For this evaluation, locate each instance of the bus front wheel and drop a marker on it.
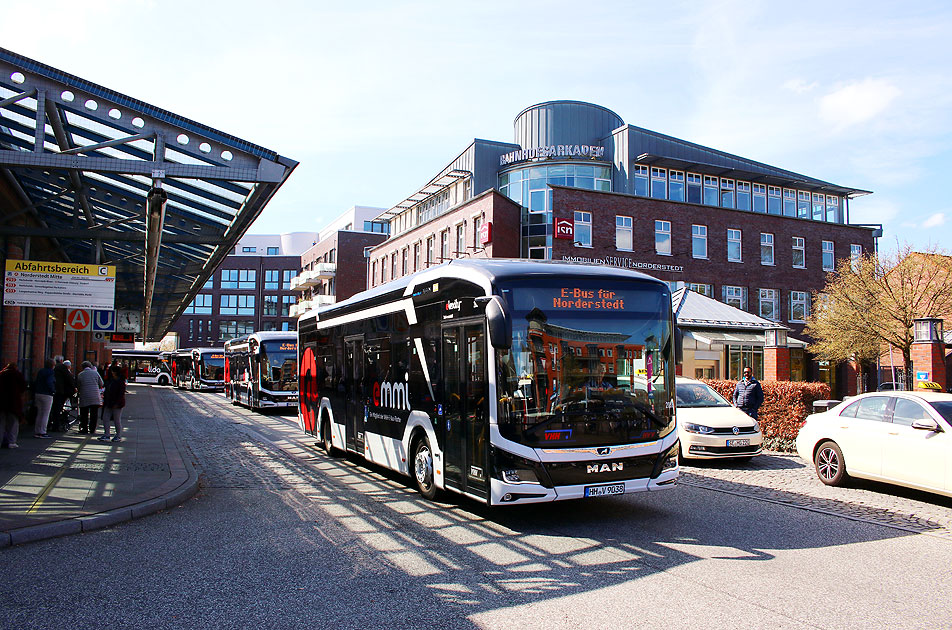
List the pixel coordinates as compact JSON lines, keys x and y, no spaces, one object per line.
{"x":423,"y":469}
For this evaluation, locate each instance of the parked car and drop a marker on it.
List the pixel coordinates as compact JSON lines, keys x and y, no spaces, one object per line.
{"x":890,"y":386}
{"x":710,"y":427}
{"x":897,"y":437}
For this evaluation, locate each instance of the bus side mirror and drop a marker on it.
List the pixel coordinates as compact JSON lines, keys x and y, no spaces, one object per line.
{"x":500,"y":322}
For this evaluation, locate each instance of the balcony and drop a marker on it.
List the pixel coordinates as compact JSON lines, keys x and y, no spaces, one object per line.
{"x":323,"y":300}
{"x":300,"y":308}
{"x":324,"y":271}
{"x":304,"y":280}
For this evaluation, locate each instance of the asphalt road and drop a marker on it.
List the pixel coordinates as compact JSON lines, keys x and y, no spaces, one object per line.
{"x":281,"y":536}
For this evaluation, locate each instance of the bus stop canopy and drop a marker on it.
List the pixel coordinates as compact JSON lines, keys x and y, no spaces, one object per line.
{"x":94,"y":176}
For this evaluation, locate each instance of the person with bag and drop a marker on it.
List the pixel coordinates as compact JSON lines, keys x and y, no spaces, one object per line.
{"x":65,"y":388}
{"x":44,"y":389}
{"x":89,"y":385}
{"x":12,"y":393}
{"x":113,"y":400}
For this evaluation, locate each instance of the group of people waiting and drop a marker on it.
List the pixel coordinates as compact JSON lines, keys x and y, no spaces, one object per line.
{"x":91,"y":389}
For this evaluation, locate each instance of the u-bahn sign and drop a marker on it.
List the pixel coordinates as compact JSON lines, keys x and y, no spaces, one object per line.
{"x":59,"y":285}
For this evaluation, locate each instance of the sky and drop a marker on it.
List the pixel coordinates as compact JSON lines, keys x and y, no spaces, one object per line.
{"x":374,"y":98}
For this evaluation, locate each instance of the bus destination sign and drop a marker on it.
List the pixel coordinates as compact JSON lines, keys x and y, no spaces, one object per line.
{"x":588,"y":300}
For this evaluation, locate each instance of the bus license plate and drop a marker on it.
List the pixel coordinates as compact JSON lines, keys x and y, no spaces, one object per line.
{"x":738,"y":442}
{"x":604,"y":491}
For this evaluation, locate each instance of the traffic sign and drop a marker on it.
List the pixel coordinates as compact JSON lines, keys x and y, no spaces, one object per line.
{"x":78,"y":319}
{"x":104,"y":321}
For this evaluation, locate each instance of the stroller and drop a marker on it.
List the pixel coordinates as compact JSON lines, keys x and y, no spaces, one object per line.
{"x":67,"y":417}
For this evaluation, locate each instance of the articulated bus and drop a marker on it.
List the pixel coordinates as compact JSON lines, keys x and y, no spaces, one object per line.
{"x":508,"y":381}
{"x":207,"y":371}
{"x":262,"y":370}
{"x":181,"y":368}
{"x":145,"y":366}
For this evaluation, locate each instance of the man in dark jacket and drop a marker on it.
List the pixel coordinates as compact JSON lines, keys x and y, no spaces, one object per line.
{"x":748,"y":395}
{"x":12,"y":392}
{"x":65,"y":388}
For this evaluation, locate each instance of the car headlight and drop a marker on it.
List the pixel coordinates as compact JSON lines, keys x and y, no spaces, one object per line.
{"x":696,"y":428}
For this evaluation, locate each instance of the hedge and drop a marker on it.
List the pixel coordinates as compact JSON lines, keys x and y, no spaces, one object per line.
{"x":786,"y":406}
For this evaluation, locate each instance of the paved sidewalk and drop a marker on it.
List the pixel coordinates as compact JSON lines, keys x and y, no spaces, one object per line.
{"x":74,"y":483}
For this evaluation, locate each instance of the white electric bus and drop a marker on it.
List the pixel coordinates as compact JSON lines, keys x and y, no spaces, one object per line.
{"x":145,"y":366}
{"x":208,"y":370}
{"x":509,"y":381}
{"x":262,"y":369}
{"x":181,"y":361}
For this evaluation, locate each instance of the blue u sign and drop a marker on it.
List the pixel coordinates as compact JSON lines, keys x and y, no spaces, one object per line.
{"x":104,"y":321}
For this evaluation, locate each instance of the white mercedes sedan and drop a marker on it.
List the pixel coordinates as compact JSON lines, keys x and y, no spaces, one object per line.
{"x":898,"y":437}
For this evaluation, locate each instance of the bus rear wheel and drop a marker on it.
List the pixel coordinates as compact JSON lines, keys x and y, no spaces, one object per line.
{"x":423,"y":469}
{"x":326,"y":442}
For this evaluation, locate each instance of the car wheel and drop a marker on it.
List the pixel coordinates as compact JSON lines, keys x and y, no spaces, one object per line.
{"x":326,"y":442}
{"x":423,"y":469}
{"x":830,"y":466}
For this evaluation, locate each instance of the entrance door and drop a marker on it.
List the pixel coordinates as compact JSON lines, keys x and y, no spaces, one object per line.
{"x":466,"y":406}
{"x":355,"y":394}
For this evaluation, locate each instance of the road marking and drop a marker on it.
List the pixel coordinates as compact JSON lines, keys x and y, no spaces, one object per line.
{"x":59,"y":473}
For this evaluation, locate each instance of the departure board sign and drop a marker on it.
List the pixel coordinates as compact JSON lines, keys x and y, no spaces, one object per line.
{"x":574,"y":298}
{"x":59,"y":285}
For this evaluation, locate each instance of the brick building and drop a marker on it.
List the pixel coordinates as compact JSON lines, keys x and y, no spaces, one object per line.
{"x":579,"y":184}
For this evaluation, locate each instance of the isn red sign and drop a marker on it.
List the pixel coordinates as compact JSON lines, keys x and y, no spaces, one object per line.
{"x":565,"y":228}
{"x":486,"y":233}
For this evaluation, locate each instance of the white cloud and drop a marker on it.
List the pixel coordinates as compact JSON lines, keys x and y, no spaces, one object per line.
{"x":935,"y":220}
{"x":857,"y":102}
{"x":800,"y":86}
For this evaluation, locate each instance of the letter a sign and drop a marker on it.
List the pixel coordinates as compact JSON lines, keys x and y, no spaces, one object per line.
{"x":78,"y":319}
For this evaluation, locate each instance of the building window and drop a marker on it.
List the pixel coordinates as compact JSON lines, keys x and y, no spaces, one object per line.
{"x":799,"y":306}
{"x":227,"y":329}
{"x":743,"y":195}
{"x":273,"y":251}
{"x":210,"y":283}
{"x":710,"y":191}
{"x":583,"y":229}
{"x":662,"y":237}
{"x":803,"y":204}
{"x":789,"y":202}
{"x":286,"y":276}
{"x":271,"y":279}
{"x":832,"y":206}
{"x":393,"y":265}
{"x":734,"y":245}
{"x":819,"y":206}
{"x":799,"y":252}
{"x":271,"y":305}
{"x":406,"y":260}
{"x":760,"y":198}
{"x":856,"y":254}
{"x":676,"y":185}
{"x":735,"y":296}
{"x":773,"y":200}
{"x":640,"y":175}
{"x":659,"y":183}
{"x":460,"y":240}
{"x":828,"y":260}
{"x":623,"y":233}
{"x":741,"y":356}
{"x":703,"y":289}
{"x":237,"y":305}
{"x":769,"y":307}
{"x":286,"y":302}
{"x":699,"y":241}
{"x":444,"y":245}
{"x":383,"y":269}
{"x":201,"y":305}
{"x":416,"y":257}
{"x":249,"y":250}
{"x":191,"y":329}
{"x":766,"y":249}
{"x":727,"y":193}
{"x":229,"y":279}
{"x":477,"y":226}
{"x":694,"y":188}
{"x":373,"y":272}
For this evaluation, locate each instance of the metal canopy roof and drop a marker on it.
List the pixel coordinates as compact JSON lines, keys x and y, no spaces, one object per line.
{"x":434,"y":186}
{"x":114,"y":180}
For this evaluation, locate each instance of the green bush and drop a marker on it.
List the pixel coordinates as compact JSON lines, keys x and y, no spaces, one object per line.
{"x":786,"y":406}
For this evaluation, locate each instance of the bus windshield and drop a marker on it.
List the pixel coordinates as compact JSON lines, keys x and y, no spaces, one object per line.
{"x":591,"y":363}
{"x":279,"y":366}
{"x":213,"y":366}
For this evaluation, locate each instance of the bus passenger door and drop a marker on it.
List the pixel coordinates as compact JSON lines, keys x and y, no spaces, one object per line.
{"x":355,"y":396}
{"x":464,"y":424}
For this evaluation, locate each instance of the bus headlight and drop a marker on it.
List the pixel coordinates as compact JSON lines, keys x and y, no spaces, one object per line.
{"x":514,"y":469}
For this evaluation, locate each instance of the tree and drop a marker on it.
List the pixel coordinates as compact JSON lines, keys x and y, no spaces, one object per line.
{"x":873,"y":301}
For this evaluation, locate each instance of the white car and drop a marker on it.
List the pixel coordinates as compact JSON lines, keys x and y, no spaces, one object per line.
{"x":897,"y":437}
{"x":709,"y":427}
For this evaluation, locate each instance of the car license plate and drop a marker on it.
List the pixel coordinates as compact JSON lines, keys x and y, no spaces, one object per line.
{"x":604,"y":491}
{"x":738,"y":442}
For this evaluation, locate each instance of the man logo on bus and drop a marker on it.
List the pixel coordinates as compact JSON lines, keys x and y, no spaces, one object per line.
{"x":392,"y":396}
{"x":600,"y":468}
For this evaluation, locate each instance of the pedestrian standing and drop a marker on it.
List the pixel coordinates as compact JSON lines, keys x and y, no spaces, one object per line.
{"x":44,"y":388}
{"x":12,"y":393}
{"x":113,"y":400}
{"x":748,"y":394}
{"x":90,"y":399}
{"x":65,"y":388}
